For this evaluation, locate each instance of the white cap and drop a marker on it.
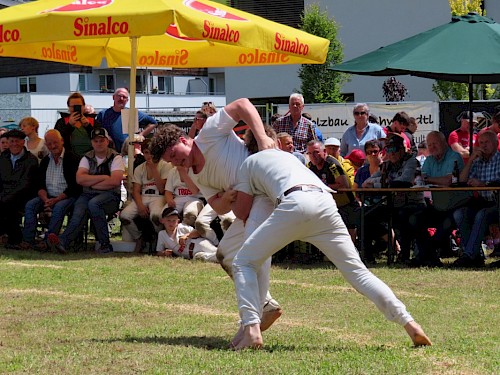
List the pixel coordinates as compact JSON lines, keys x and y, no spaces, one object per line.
{"x":332,"y":142}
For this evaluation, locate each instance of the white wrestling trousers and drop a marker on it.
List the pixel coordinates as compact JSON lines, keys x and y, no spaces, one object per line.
{"x":312,"y":217}
{"x":235,"y":236}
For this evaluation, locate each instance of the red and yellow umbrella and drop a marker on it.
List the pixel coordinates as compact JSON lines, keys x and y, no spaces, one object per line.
{"x":153,"y":33}
{"x":170,"y":33}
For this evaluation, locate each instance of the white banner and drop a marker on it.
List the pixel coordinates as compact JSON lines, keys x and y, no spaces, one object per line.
{"x":334,"y":119}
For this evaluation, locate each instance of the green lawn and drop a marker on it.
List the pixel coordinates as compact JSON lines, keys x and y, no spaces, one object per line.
{"x":125,"y":314}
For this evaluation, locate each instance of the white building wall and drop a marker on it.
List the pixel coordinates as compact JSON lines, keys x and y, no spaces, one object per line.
{"x":45,"y":107}
{"x":364,"y":25}
{"x":9,"y":85}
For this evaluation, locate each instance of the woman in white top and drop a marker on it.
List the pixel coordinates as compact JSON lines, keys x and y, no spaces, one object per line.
{"x":36,"y":145}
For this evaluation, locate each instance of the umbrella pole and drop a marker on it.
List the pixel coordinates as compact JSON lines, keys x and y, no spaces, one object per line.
{"x":132,"y":113}
{"x":471,"y":123}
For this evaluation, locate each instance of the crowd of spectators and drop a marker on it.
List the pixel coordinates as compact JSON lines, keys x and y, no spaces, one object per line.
{"x":77,"y":170}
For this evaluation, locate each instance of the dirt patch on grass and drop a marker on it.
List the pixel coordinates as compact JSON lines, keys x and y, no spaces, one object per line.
{"x":31,"y":265}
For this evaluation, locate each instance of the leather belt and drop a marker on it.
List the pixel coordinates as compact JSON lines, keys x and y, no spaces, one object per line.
{"x":304,"y":188}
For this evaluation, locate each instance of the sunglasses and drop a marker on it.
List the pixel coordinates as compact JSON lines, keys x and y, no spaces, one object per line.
{"x":372,"y":152}
{"x":207,"y":103}
{"x":360,"y":113}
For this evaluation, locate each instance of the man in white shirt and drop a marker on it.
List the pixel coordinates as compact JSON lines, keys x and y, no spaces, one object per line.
{"x":305,"y":210}
{"x":214,"y":157}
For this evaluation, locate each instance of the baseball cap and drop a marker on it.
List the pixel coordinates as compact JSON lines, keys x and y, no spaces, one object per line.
{"x":465,"y":116}
{"x":99,"y":132}
{"x":357,"y":157}
{"x":169,"y":211}
{"x":15,"y":133}
{"x":332,"y":142}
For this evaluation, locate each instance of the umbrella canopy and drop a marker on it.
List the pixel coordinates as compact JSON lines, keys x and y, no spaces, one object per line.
{"x":153,"y":33}
{"x":465,"y":50}
{"x":170,"y":33}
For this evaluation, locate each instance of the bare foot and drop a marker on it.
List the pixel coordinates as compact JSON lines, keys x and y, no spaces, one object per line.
{"x":252,"y":338}
{"x":238,"y":337}
{"x":269,"y":317}
{"x":417,"y":334}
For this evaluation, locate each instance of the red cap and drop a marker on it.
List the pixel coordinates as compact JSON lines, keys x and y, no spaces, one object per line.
{"x":357,"y":157}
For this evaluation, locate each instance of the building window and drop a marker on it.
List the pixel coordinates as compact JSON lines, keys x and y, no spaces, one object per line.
{"x":82,"y":83}
{"x":107,"y":82}
{"x":27,"y":84}
{"x":165,"y":85}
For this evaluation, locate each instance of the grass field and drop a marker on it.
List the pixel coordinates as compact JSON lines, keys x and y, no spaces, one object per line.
{"x":125,"y":314}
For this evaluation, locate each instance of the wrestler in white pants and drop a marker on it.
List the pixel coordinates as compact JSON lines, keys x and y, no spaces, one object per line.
{"x":234,"y":238}
{"x":312,"y":217}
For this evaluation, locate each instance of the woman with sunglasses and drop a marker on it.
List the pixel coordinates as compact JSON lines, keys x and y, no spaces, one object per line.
{"x":362,"y":131}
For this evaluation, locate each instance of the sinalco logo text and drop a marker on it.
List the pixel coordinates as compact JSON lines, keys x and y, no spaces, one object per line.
{"x":7,"y":35}
{"x":259,"y":57}
{"x":291,"y":46}
{"x":158,"y":59}
{"x":225,"y":34}
{"x":67,"y":54}
{"x":83,"y":27}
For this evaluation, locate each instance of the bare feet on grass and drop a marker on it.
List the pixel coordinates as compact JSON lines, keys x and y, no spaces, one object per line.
{"x":417,"y":334}
{"x":269,"y":317}
{"x":252,"y":338}
{"x":238,"y":337}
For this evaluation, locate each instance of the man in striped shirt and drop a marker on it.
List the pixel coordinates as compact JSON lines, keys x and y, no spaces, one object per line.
{"x":482,"y":169}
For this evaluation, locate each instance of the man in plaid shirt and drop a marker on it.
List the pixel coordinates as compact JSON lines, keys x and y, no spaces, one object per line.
{"x":300,"y":128}
{"x":482,"y":169}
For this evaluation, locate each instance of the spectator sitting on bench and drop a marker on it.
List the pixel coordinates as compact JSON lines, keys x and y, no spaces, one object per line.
{"x":147,"y":191}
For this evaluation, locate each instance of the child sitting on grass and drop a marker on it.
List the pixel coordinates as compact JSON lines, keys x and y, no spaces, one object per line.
{"x":182,"y":240}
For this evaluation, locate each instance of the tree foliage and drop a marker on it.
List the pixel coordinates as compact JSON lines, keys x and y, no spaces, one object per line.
{"x":446,"y":90}
{"x":318,"y":83}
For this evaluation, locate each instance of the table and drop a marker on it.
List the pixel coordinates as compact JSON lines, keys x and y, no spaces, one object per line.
{"x":388,"y":192}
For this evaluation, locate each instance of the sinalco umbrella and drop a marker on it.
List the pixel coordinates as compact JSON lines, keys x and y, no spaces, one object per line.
{"x":153,"y":33}
{"x":465,"y":50}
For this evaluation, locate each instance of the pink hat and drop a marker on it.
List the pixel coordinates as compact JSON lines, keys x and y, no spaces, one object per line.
{"x":357,"y":157}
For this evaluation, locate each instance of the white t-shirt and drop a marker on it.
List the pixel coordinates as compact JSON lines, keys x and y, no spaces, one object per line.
{"x":272,"y":172}
{"x":141,"y":176}
{"x":172,"y":243}
{"x":224,"y":152}
{"x":178,"y":187}
{"x":116,"y":165}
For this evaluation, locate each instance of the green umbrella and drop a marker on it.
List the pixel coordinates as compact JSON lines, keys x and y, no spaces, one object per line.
{"x":465,"y":50}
